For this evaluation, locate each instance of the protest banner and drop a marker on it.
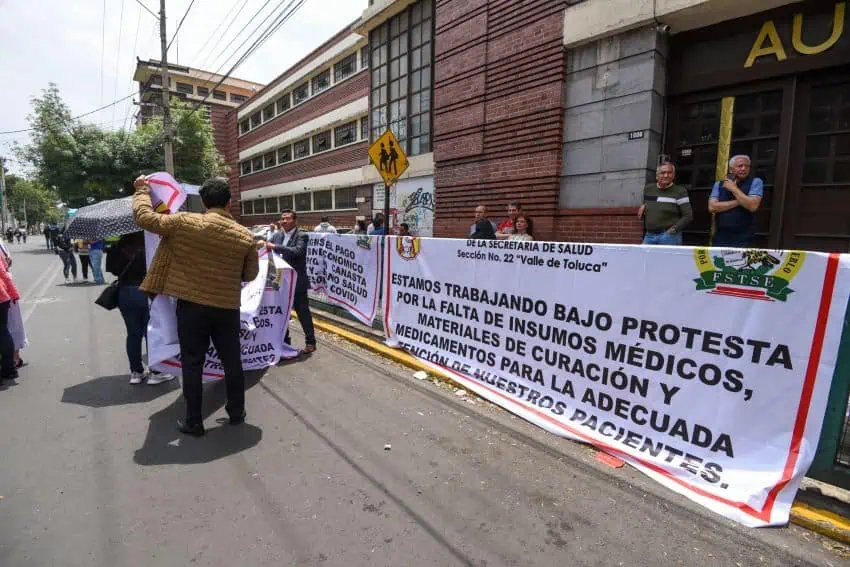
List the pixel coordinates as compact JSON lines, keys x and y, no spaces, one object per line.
{"x":346,"y":268}
{"x":707,"y":369}
{"x":264,"y":310}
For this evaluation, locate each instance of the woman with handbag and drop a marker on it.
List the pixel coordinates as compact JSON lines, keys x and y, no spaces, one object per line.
{"x":127,"y":261}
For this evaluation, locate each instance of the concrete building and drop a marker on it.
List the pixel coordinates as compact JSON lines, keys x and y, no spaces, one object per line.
{"x":191,"y":85}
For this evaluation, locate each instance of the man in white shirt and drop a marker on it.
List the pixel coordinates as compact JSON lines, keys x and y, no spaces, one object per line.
{"x":325,"y":226}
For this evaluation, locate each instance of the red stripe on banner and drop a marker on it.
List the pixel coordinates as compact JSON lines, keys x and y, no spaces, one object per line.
{"x":732,"y":293}
{"x":174,"y":364}
{"x":387,"y":324}
{"x":175,"y":190}
{"x":742,"y":291}
{"x":811,"y":375}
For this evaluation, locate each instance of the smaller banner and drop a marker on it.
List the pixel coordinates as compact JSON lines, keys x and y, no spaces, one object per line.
{"x":264,"y":311}
{"x":346,"y":268}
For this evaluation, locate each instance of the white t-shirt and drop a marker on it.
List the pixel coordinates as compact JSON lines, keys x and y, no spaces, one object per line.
{"x":325,"y":227}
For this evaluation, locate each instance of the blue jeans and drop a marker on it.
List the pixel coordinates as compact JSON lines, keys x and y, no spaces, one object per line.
{"x":69,"y":262}
{"x":135,"y":310}
{"x":664,"y":238}
{"x":96,"y":257}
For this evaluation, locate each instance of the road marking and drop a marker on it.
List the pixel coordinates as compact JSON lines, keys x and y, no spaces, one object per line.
{"x":44,"y":282}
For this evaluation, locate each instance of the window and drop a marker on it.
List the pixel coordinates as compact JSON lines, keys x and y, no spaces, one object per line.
{"x":185,"y":88}
{"x":244,"y":126}
{"x":257,"y":163}
{"x":259,"y":207}
{"x":270,"y":159}
{"x":219,"y":95}
{"x":322,"y":142}
{"x":401,"y":86}
{"x":271,"y":205}
{"x":364,"y":129}
{"x":322,"y":81}
{"x":345,"y":68}
{"x":364,"y":57}
{"x":301,"y":149}
{"x":246,"y":167}
{"x":284,"y":154}
{"x":268,"y":113}
{"x":156,"y":80}
{"x":323,"y":200}
{"x":285,"y":202}
{"x":237,"y":97}
{"x":256,"y":120}
{"x":301,"y":93}
{"x":346,"y":198}
{"x":247,"y":207}
{"x":345,"y":134}
{"x":283,"y":103}
{"x":203,"y":91}
{"x":304,"y":202}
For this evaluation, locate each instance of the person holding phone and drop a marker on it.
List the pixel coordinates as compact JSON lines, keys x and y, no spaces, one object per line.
{"x":734,"y":202}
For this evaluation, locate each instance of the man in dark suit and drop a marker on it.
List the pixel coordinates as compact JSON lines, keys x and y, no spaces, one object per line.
{"x":291,"y":244}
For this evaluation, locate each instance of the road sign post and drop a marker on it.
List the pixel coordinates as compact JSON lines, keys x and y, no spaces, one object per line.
{"x":388,"y":157}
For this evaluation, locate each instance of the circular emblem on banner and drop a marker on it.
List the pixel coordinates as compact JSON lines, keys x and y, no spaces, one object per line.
{"x":408,"y":247}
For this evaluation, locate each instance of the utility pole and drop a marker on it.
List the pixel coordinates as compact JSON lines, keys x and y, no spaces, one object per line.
{"x":3,"y":193}
{"x":166,"y":85}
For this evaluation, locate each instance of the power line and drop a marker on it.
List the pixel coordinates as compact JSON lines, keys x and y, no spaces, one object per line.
{"x":118,"y":55}
{"x":269,"y":31}
{"x":139,"y":2}
{"x":102,"y":50}
{"x":257,"y":13}
{"x":176,"y":31}
{"x":113,"y":103}
{"x":135,"y":43}
{"x":221,"y":23}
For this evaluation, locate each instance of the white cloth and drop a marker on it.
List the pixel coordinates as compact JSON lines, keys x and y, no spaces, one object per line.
{"x":287,"y":236}
{"x":325,"y":228}
{"x":16,"y":326}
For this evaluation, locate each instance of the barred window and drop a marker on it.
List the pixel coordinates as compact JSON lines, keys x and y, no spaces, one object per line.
{"x":270,"y":159}
{"x":244,"y":126}
{"x":346,"y":198}
{"x":364,"y":129}
{"x":301,"y":93}
{"x":284,"y":154}
{"x":364,"y":57}
{"x":285,"y":203}
{"x":257,"y":163}
{"x":301,"y":149}
{"x":271,"y":205}
{"x":268,"y":113}
{"x":219,"y":95}
{"x":304,"y":202}
{"x":237,"y":97}
{"x":346,"y":67}
{"x":259,"y":207}
{"x":322,"y":81}
{"x":323,"y":200}
{"x":283,"y":103}
{"x":246,"y":167}
{"x":186,"y":88}
{"x":247,"y":207}
{"x":256,"y":120}
{"x":203,"y":91}
{"x":322,"y":142}
{"x":345,"y":134}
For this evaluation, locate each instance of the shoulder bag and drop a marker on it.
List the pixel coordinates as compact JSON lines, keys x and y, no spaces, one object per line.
{"x":108,"y":298}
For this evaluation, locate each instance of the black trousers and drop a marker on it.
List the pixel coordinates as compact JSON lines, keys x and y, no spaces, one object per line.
{"x":85,"y":263}
{"x":197,"y":325}
{"x":301,"y":305}
{"x":7,"y":345}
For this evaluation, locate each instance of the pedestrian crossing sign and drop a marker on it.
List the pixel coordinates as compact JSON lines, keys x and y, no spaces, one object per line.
{"x":388,"y":157}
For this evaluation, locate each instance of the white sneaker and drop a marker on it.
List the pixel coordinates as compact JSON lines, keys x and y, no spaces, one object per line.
{"x":136,"y":377}
{"x":154,"y":379}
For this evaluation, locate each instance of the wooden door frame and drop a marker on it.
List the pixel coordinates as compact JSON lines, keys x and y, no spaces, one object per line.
{"x":787,"y":86}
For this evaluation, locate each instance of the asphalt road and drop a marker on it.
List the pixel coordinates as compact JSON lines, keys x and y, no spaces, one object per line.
{"x":93,"y":472}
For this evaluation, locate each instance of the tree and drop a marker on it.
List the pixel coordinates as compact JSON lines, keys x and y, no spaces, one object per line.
{"x":84,"y":162}
{"x":22,"y":193}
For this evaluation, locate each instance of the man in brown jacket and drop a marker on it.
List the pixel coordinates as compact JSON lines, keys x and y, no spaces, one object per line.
{"x":202,"y":261}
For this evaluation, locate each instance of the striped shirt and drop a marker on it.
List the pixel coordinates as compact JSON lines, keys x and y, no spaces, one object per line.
{"x":666,"y":208}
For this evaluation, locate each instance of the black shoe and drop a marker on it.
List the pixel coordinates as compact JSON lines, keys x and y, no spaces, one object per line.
{"x":193,"y":429}
{"x":10,"y":376}
{"x":239,"y":420}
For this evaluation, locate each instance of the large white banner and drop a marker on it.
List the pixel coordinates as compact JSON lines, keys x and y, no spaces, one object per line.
{"x":264,"y":310}
{"x":708,"y":370}
{"x":346,"y":268}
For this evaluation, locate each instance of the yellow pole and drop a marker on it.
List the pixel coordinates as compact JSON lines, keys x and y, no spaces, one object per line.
{"x":724,"y":145}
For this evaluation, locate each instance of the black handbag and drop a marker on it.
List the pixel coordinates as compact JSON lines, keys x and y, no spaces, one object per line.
{"x":108,"y":298}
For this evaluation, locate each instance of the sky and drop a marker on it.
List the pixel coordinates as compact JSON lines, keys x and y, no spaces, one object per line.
{"x":59,"y":41}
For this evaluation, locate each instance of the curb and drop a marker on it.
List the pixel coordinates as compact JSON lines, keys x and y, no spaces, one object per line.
{"x":818,"y":520}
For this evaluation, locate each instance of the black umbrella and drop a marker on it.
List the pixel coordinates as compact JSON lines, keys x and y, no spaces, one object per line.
{"x":107,"y":218}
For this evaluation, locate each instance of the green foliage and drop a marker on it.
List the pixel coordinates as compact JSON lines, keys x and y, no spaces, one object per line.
{"x":85,"y":163}
{"x":38,"y":200}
